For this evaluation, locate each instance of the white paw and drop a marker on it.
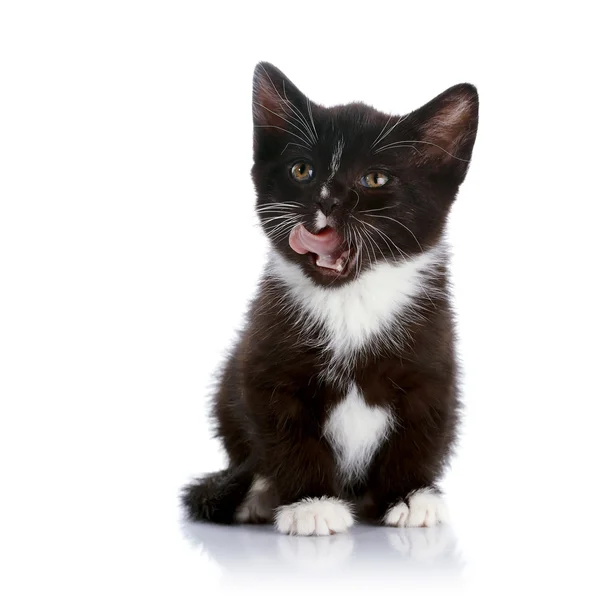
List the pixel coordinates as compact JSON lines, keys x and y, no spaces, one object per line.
{"x":424,"y":509}
{"x":314,"y":516}
{"x":256,"y":507}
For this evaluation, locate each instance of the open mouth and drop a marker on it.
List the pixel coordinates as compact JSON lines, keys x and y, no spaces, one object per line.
{"x":327,"y":250}
{"x":340,"y":268}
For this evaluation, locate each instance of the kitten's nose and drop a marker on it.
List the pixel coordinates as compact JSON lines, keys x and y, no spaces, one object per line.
{"x":326,"y":205}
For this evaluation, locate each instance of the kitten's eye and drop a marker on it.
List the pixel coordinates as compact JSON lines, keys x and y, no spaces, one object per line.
{"x":374,"y":180}
{"x":302,"y":171}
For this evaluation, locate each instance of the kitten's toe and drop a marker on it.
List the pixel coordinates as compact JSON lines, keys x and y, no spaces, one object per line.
{"x":424,"y":509}
{"x":314,"y":516}
{"x":397,"y":515}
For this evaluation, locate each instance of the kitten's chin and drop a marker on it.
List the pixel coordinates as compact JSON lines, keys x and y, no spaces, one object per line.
{"x":342,"y":268}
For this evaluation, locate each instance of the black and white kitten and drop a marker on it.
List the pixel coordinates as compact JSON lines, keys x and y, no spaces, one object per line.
{"x":340,"y":397}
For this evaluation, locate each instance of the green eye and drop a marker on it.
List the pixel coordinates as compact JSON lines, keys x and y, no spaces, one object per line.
{"x":302,"y":171}
{"x":374,"y":180}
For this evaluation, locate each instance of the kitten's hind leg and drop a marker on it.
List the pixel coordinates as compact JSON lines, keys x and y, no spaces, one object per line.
{"x":259,"y":504}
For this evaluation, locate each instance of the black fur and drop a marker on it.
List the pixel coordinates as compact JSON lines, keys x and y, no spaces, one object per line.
{"x":216,"y":497}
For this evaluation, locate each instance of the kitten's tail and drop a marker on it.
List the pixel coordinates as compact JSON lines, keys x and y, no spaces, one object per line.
{"x":216,"y":496}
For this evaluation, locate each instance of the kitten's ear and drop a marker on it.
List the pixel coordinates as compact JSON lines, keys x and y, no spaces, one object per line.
{"x":274,"y":98}
{"x":447,"y":127}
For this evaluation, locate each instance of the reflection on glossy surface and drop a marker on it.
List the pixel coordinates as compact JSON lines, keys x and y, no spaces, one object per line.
{"x":253,"y":550}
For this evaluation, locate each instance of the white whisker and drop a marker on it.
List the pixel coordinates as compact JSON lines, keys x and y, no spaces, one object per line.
{"x":282,"y":129}
{"x":298,"y":112}
{"x":401,"y":225}
{"x":378,"y":209}
{"x":310,"y":114}
{"x":397,"y":144}
{"x":282,"y":99}
{"x":382,"y":130}
{"x":391,"y":129}
{"x":293,"y":144}
{"x":306,"y":139}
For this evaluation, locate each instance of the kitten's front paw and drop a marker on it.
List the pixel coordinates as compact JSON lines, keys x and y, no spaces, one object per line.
{"x":314,"y":516}
{"x":424,"y":509}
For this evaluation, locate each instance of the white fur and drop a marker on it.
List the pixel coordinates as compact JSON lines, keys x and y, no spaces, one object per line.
{"x":349,"y":318}
{"x":324,"y":192}
{"x":255,"y":508}
{"x":314,"y":516}
{"x":320,"y":220}
{"x":355,"y":431}
{"x":336,"y":158}
{"x":425,"y":509}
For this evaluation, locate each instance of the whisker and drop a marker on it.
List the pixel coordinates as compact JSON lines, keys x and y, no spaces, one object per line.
{"x":282,"y":129}
{"x":359,"y":258}
{"x":377,"y":209}
{"x":385,"y":237}
{"x":397,"y":145}
{"x":386,"y":243}
{"x":355,"y":238}
{"x":378,"y":248}
{"x":275,"y":228}
{"x":401,"y":225}
{"x":278,"y":206}
{"x":282,"y":232}
{"x":270,"y":219}
{"x":371,"y":241}
{"x":310,"y":114}
{"x":296,"y":110}
{"x":422,"y":142}
{"x":392,"y":128}
{"x":293,"y":144}
{"x":307,"y":139}
{"x":286,"y":210}
{"x":286,"y":98}
{"x":382,"y":130}
{"x":357,"y":198}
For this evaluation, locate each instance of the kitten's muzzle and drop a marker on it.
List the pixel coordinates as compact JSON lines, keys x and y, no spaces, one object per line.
{"x":327,"y":248}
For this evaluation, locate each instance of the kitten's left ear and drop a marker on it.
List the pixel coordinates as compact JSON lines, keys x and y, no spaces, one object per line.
{"x":447,"y":127}
{"x":275,"y":99}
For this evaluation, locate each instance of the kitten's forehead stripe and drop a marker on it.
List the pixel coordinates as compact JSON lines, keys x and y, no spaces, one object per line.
{"x":336,"y":158}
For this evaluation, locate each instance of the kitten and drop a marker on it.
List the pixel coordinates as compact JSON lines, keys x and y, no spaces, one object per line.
{"x":340,"y":398}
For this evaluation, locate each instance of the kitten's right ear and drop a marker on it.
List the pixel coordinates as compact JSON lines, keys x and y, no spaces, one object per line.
{"x":447,"y":127}
{"x":274,"y":98}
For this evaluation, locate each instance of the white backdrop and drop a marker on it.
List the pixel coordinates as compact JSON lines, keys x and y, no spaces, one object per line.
{"x":129,"y":249}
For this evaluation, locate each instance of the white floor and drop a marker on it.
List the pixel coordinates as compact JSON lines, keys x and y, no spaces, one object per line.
{"x":128,"y":540}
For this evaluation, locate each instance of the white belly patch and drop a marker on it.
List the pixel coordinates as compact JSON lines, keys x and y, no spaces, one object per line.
{"x":356,"y":431}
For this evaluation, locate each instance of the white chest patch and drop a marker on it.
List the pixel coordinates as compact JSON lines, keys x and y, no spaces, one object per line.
{"x":355,"y":431}
{"x":352,"y":317}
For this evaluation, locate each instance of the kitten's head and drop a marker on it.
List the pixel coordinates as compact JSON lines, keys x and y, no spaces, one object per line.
{"x":342,"y":189}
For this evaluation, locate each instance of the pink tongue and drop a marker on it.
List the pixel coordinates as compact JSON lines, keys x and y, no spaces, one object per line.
{"x":327,"y":245}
